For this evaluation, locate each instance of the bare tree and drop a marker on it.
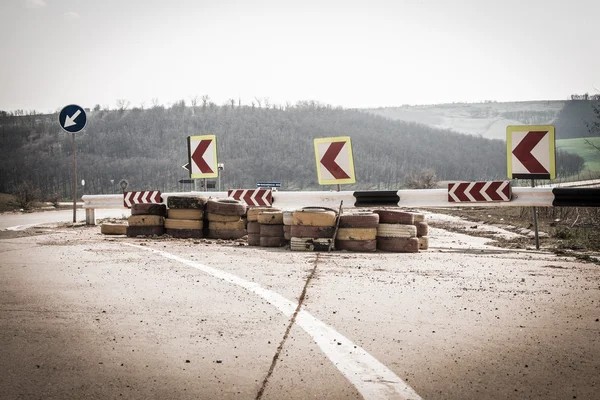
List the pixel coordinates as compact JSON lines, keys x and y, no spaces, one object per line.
{"x":205,"y":99}
{"x":25,"y":194}
{"x":232,"y":101}
{"x":123,"y":104}
{"x":258,"y":101}
{"x":424,"y":179}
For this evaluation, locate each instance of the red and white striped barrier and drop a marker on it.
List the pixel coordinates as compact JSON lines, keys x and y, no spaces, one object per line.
{"x":252,"y":197}
{"x":147,"y":196}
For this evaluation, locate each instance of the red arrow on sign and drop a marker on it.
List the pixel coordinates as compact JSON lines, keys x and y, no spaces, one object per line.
{"x":479,"y":191}
{"x":523,"y":152}
{"x":328,"y":160}
{"x":198,"y":157}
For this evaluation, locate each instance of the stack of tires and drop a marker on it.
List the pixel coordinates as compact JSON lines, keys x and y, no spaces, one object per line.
{"x":147,"y":219}
{"x":185,"y":217}
{"x":271,"y":229}
{"x":288,"y":221}
{"x":396,"y":232}
{"x":422,"y":231}
{"x":357,"y":232}
{"x":312,"y":229}
{"x":253,"y":226}
{"x":226,"y":219}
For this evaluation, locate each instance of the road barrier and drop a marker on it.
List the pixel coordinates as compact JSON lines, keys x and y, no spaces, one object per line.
{"x":419,"y":198}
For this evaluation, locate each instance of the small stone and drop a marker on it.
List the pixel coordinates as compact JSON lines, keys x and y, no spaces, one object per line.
{"x":219,"y":361}
{"x":187,"y":361}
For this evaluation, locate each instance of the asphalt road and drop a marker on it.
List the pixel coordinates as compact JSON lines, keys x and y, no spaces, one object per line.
{"x":84,"y":315}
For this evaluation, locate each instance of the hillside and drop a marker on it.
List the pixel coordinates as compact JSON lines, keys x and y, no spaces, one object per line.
{"x":148,"y":147}
{"x":590,"y":156}
{"x":490,"y":119}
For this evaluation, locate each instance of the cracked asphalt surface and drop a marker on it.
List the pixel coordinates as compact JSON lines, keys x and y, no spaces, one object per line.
{"x":84,"y":316}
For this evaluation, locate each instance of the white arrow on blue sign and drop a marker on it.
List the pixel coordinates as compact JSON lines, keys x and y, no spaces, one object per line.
{"x":72,"y":118}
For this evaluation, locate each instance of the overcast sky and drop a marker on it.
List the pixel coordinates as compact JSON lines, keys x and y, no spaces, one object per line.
{"x":367,"y":53}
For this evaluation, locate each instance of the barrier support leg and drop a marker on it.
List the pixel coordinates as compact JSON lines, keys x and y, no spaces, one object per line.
{"x":90,"y":216}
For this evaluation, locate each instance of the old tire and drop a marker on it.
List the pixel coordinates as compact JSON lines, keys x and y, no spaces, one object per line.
{"x":113,"y":229}
{"x":288,"y":218}
{"x":267,"y":230}
{"x":146,"y":220}
{"x":185,"y":213}
{"x":422,"y":228}
{"x":228,"y":234}
{"x":359,"y":220}
{"x":308,"y":244}
{"x":253,"y":239}
{"x":356,"y":234}
{"x":222,"y":218}
{"x":314,"y":217}
{"x":195,"y":202}
{"x":270,"y":217}
{"x":395,"y":217}
{"x":254,"y":211}
{"x":185,"y":233}
{"x":396,"y":230}
{"x":398,"y":244}
{"x":149,"y":209}
{"x":356,"y":245}
{"x":172,"y":223}
{"x":253,"y":227}
{"x":301,"y":231}
{"x":424,"y":243}
{"x":226,"y":207}
{"x":418,"y":217}
{"x":135,"y":231}
{"x":241,"y":225}
{"x":268,"y":241}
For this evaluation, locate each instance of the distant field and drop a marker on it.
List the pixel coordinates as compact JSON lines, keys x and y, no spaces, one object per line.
{"x":578,"y":146}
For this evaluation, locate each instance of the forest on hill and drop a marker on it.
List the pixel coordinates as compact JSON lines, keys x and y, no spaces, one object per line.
{"x":148,"y":148}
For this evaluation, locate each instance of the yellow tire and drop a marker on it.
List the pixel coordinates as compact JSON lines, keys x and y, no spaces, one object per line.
{"x":146,"y":220}
{"x":174,"y":223}
{"x":222,"y":218}
{"x":270,"y":218}
{"x":356,"y":234}
{"x":241,"y":224}
{"x":396,"y":230}
{"x":184,"y":213}
{"x":113,"y":229}
{"x":313,"y":217}
{"x":253,"y":212}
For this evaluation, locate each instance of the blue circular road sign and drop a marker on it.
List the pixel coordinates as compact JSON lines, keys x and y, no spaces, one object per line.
{"x":72,"y":118}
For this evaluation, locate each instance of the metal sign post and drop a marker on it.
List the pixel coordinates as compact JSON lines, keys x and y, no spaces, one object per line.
{"x":74,"y":180}
{"x":535,"y":222}
{"x":72,"y":119}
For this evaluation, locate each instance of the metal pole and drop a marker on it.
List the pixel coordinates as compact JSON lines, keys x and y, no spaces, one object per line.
{"x":74,"y":181}
{"x":205,"y":188}
{"x":339,"y":187}
{"x":219,"y":182}
{"x":535,"y":222}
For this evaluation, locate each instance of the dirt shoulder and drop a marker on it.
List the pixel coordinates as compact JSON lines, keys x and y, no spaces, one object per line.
{"x":563,"y":231}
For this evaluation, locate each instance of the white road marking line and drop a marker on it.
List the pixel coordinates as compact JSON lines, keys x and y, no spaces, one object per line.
{"x":371,"y":378}
{"x":19,"y":227}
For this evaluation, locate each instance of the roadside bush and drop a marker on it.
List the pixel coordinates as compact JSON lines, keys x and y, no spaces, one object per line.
{"x":424,"y":179}
{"x":25,"y":195}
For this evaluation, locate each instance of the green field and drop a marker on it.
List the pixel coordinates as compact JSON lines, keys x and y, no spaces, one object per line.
{"x":578,"y":146}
